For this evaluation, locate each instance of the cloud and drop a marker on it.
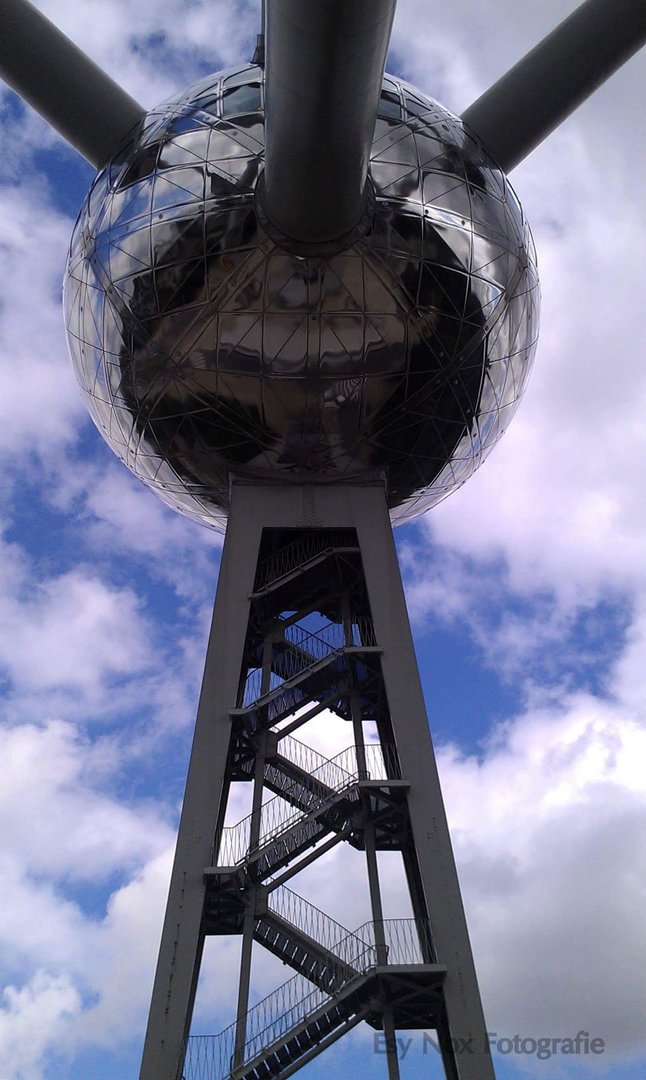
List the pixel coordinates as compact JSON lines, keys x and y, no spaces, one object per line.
{"x":70,"y":632}
{"x":62,"y":825}
{"x":117,"y":513}
{"x":193,"y":37}
{"x":557,"y":510}
{"x":40,"y":408}
{"x":78,"y":633}
{"x":70,"y":1003}
{"x":547,"y":829}
{"x":57,"y":820}
{"x":30,"y":1020}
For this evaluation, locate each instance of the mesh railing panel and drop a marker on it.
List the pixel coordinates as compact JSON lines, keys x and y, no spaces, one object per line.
{"x":301,"y":649}
{"x":313,"y":922}
{"x":408,"y":941}
{"x":210,"y":1057}
{"x":277,"y":815}
{"x":299,"y":552}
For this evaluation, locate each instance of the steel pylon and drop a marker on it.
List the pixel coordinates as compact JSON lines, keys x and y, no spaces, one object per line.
{"x":310,"y":616}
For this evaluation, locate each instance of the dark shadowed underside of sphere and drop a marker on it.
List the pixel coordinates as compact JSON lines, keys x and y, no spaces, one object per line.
{"x":203,"y":349}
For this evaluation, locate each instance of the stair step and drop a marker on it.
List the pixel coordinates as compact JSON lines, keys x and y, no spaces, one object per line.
{"x":325,"y":968}
{"x":291,"y":1047}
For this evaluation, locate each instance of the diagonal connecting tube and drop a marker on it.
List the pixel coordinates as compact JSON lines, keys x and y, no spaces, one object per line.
{"x":324,"y":63}
{"x":58,"y":80}
{"x":551,"y":81}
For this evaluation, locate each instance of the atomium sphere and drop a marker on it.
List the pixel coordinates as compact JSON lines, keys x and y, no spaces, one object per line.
{"x":205,"y":350}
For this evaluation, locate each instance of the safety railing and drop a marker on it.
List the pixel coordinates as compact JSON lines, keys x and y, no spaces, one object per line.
{"x":305,"y":917}
{"x":301,"y":648}
{"x":408,"y":941}
{"x":301,"y":775}
{"x":299,"y":553}
{"x":278,"y":816}
{"x":329,"y":771}
{"x":284,"y":701}
{"x":289,"y":660}
{"x":299,"y":754}
{"x":211,"y":1057}
{"x":382,"y":762}
{"x":359,"y":632}
{"x":300,"y":791}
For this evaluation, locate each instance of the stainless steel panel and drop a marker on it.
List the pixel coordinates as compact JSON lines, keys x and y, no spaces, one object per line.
{"x":204,"y":349}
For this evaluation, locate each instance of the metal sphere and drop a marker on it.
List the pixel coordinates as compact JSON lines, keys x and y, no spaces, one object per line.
{"x":204,"y":348}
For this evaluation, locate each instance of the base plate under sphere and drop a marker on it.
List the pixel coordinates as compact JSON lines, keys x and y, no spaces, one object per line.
{"x":205,"y":349}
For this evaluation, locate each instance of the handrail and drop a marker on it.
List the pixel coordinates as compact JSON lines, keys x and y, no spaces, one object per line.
{"x":301,"y":648}
{"x":210,"y":1057}
{"x":306,"y":918}
{"x":272,"y":1018}
{"x":297,"y":553}
{"x":278,"y":815}
{"x":324,"y":771}
{"x":408,"y":941}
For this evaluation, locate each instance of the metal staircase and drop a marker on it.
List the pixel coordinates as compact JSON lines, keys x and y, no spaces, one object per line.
{"x":307,"y":939}
{"x":282,"y":1029}
{"x":315,"y":666}
{"x":311,"y":646}
{"x":307,"y":807}
{"x":300,"y":774}
{"x":293,"y":1023}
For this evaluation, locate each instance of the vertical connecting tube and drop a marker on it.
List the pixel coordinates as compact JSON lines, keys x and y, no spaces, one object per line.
{"x":324,"y":63}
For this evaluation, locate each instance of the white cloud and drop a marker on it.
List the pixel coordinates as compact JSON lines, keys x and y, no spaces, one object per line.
{"x":56,"y":819}
{"x":40,"y":408}
{"x":126,"y":41}
{"x":60,"y":823}
{"x":30,"y":1020}
{"x":70,"y":631}
{"x":119,"y":513}
{"x":547,"y":831}
{"x":559,"y":498}
{"x":71,"y":1002}
{"x":78,"y":633}
{"x":126,"y":946}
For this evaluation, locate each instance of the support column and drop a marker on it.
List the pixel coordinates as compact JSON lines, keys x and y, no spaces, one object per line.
{"x":254,"y":837}
{"x":206,"y":789}
{"x":430,"y":838}
{"x":373,"y":875}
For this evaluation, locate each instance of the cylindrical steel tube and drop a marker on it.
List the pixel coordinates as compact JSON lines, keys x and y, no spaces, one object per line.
{"x":324,"y":62}
{"x":55,"y":77}
{"x":548,"y":84}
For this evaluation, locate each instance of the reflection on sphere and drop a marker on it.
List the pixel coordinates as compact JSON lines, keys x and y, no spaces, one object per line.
{"x":204,"y":349}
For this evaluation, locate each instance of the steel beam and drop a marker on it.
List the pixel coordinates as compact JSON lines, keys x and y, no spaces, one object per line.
{"x":60,"y":82}
{"x":324,"y":62}
{"x":551,"y":81}
{"x":206,"y":788}
{"x":429,"y":830}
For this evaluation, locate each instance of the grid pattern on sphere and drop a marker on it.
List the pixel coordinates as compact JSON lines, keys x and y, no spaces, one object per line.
{"x":203,"y":348}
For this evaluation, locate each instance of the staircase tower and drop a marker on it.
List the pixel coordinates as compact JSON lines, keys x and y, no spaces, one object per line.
{"x":309,"y":621}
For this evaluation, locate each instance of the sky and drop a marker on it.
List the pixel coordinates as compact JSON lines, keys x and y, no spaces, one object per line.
{"x":526,"y":590}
